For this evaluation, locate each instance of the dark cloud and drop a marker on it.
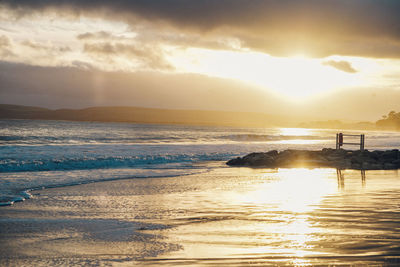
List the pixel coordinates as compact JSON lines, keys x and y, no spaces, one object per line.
{"x":340,"y":65}
{"x":316,"y":27}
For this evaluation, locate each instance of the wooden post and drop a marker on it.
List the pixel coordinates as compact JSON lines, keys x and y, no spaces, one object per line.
{"x":362,"y":139}
{"x":337,"y":141}
{"x":341,"y":140}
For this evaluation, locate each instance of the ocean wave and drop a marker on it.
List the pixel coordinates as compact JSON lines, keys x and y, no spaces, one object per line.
{"x":87,"y":163}
{"x":268,"y":137}
{"x":69,"y":139}
{"x":37,"y":140}
{"x":27,"y":139}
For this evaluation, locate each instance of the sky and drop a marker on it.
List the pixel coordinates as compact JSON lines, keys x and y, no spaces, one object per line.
{"x":318,"y":59}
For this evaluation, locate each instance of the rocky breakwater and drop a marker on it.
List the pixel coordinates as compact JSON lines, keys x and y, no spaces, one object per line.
{"x":327,"y":157}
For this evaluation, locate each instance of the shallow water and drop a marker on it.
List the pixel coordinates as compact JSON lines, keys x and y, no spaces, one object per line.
{"x":232,"y":216}
{"x":295,"y":216}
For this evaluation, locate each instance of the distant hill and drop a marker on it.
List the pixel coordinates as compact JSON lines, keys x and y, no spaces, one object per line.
{"x":391,"y":121}
{"x":188,"y":117}
{"x":336,"y":124}
{"x":145,"y":115}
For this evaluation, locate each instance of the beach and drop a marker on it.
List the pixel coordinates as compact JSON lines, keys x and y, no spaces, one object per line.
{"x":200,"y":133}
{"x":124,"y":194}
{"x":225,"y":216}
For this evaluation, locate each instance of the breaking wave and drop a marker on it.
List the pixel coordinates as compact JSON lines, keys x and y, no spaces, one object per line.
{"x":88,"y":163}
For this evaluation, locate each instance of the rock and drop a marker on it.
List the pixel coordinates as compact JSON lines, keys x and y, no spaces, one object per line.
{"x":390,"y":154}
{"x":397,"y":163}
{"x":366,"y":166}
{"x":389,"y":166}
{"x":236,"y":161}
{"x":254,"y":159}
{"x":374,"y":155}
{"x":355,"y":166}
{"x":327,"y":157}
{"x":272,"y":153}
{"x":377,"y":166}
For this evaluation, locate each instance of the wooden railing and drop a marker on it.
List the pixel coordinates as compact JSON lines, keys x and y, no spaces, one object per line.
{"x":340,"y":140}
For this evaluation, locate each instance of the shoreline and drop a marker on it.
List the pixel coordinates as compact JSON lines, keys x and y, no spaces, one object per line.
{"x":325,"y":158}
{"x":28,"y":193}
{"x":164,"y":221}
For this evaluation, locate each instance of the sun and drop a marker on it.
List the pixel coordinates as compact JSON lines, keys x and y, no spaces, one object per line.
{"x":295,"y":78}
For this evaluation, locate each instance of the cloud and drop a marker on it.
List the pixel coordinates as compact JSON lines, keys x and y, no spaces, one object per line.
{"x":95,"y":35}
{"x":4,"y":41}
{"x":82,"y":65}
{"x":318,"y":28}
{"x":148,"y":35}
{"x":48,"y":48}
{"x":62,"y":87}
{"x":5,"y":47}
{"x":340,"y":65}
{"x":69,"y":87}
{"x":147,"y":56}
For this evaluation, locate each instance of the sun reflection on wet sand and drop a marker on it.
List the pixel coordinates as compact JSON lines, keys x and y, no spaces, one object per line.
{"x":296,"y":190}
{"x":228,"y":216}
{"x":271,"y":215}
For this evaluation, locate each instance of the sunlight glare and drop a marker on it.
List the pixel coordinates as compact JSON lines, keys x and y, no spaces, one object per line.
{"x":296,"y":189}
{"x":294,"y":193}
{"x":297,"y":77}
{"x":295,"y":131}
{"x":298,"y":142}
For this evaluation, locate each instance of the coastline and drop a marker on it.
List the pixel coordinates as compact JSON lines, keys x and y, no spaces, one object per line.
{"x":204,"y":213}
{"x":225,"y":216}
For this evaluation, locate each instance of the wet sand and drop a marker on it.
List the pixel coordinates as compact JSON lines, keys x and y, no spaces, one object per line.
{"x":234,"y":216}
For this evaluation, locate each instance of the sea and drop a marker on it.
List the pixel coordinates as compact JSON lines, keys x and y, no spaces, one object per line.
{"x":116,"y":193}
{"x":37,"y":154}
